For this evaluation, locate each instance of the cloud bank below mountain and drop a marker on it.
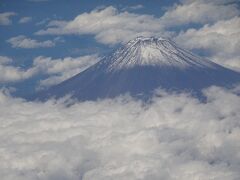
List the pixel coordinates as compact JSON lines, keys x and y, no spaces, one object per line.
{"x":174,"y":137}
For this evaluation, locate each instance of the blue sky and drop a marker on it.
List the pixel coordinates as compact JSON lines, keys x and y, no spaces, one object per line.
{"x":44,"y":42}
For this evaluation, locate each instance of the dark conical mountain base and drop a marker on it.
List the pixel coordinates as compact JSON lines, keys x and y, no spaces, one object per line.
{"x":140,"y":82}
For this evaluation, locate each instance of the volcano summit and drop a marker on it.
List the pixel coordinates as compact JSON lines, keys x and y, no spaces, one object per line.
{"x":139,"y":68}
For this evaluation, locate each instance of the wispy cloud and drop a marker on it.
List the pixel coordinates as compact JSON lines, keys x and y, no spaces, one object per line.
{"x":24,"y":20}
{"x":5,"y":18}
{"x":135,"y":7}
{"x":27,"y":43}
{"x":42,"y":22}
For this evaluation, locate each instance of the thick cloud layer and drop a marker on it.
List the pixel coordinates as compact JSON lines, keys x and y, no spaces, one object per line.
{"x":175,"y":137}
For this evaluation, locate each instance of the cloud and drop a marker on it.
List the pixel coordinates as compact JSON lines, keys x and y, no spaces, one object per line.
{"x":42,"y":22}
{"x":62,"y":69}
{"x":25,"y":20}
{"x":56,"y":70}
{"x":27,"y":43}
{"x":111,"y":26}
{"x":5,"y":60}
{"x":217,"y":34}
{"x":174,"y":137}
{"x":220,"y":40}
{"x":135,"y":7}
{"x":108,"y":25}
{"x":199,"y":12}
{"x":217,"y":2}
{"x":5,"y":18}
{"x":13,"y":74}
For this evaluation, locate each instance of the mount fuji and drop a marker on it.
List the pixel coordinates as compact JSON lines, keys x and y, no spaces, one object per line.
{"x":139,"y":68}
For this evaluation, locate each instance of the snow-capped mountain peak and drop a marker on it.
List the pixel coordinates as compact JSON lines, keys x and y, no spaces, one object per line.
{"x":152,"y":51}
{"x":139,"y":68}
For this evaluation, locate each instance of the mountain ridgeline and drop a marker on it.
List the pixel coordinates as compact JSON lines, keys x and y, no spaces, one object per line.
{"x":140,"y":67}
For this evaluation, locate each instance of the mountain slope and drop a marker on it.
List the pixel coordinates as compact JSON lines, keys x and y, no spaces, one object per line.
{"x":139,"y":68}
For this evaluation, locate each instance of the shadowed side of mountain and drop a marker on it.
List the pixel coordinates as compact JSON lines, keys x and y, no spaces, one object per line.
{"x":140,"y":82}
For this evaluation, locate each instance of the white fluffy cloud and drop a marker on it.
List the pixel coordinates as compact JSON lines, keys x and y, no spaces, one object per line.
{"x":199,"y":12}
{"x":221,"y":40}
{"x":175,"y":137}
{"x":27,"y":43}
{"x":25,"y":20}
{"x":10,"y":73}
{"x":57,"y":70}
{"x":218,"y":36}
{"x":5,"y":18}
{"x":62,"y":69}
{"x":109,"y":26}
{"x":5,"y":60}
